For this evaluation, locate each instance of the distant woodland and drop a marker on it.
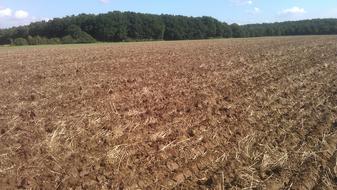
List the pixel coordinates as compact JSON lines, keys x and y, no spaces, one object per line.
{"x":128,"y":26}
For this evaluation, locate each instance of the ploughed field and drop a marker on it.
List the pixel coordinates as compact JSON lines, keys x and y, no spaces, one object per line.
{"x":211,"y":114}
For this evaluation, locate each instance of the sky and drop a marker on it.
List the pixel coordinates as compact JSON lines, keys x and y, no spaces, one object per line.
{"x":20,"y":12}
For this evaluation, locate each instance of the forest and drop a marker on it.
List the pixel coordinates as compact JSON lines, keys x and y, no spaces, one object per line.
{"x":129,"y":26}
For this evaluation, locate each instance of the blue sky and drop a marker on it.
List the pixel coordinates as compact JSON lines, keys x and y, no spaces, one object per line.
{"x":19,"y":12}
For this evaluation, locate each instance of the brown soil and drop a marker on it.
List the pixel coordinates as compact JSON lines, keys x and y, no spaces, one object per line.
{"x":213,"y":114}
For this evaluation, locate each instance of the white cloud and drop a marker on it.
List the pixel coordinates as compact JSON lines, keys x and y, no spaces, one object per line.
{"x":5,"y":12}
{"x":257,"y":10}
{"x":20,"y":14}
{"x":293,"y":10}
{"x":104,"y":1}
{"x":9,"y":17}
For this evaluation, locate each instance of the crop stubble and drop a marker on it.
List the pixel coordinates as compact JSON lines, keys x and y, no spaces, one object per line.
{"x":231,"y":114}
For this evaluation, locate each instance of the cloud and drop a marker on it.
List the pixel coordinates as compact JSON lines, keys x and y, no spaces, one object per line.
{"x":5,"y":12}
{"x":20,"y":14}
{"x":104,"y":1}
{"x":257,"y":10}
{"x":9,"y":17}
{"x":293,"y":11}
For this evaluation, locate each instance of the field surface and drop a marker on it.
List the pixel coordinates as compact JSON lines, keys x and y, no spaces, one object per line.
{"x":212,"y":114}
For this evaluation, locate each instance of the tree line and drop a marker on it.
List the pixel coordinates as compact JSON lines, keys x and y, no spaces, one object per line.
{"x":303,"y":27}
{"x":128,"y":26}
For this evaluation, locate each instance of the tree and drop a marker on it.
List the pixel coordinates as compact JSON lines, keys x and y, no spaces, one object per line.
{"x":68,"y":40}
{"x":84,"y":37}
{"x":74,"y":31}
{"x":36,"y":40}
{"x":20,"y":42}
{"x":54,"y":41}
{"x":227,"y":31}
{"x":128,"y":26}
{"x":78,"y":35}
{"x":237,"y":32}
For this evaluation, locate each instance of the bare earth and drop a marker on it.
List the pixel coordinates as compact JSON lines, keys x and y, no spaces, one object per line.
{"x":212,"y":114}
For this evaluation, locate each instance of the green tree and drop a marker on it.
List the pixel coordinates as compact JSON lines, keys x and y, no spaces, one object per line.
{"x":122,"y":26}
{"x":20,"y":42}
{"x":68,"y":40}
{"x":84,"y":37}
{"x":54,"y":41}
{"x":236,"y":31}
{"x":74,"y":31}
